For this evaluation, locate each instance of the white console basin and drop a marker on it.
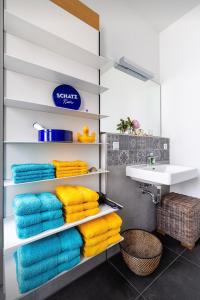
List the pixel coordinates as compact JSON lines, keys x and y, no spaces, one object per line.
{"x":161,"y":174}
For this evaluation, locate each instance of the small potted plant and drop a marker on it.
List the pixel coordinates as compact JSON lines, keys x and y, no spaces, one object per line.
{"x":122,"y":126}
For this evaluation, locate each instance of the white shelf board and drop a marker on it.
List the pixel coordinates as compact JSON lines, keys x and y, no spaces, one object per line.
{"x":16,"y":25}
{"x":51,"y":109}
{"x":9,"y":182}
{"x":51,"y":143}
{"x":12,"y":242}
{"x":19,"y":65}
{"x":10,"y":272}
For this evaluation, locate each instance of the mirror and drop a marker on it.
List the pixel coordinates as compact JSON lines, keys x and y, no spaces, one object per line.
{"x":130,"y":97}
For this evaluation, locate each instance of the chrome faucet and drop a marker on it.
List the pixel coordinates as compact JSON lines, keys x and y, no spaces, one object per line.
{"x":151,"y":160}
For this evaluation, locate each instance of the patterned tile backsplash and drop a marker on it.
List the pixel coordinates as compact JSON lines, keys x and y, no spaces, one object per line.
{"x":134,"y":149}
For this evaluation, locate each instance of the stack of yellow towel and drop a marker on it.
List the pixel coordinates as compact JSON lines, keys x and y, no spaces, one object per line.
{"x":100,"y":233}
{"x":70,"y":168}
{"x":78,"y":202}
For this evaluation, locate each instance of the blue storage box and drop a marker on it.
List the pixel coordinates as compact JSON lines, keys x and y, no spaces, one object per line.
{"x":55,"y":135}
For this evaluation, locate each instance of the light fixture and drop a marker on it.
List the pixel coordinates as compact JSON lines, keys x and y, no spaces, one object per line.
{"x":134,"y":70}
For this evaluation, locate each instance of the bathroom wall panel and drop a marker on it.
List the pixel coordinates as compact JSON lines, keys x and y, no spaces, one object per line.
{"x":138,"y":211}
{"x":179,"y":67}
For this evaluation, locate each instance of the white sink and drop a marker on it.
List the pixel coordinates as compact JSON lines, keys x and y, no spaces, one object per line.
{"x":161,"y":174}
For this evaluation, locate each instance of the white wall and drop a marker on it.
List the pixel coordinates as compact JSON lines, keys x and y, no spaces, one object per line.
{"x":130,"y":97}
{"x":180,"y":67}
{"x":124,"y":33}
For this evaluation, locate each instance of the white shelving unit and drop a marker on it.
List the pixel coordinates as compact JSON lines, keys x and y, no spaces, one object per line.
{"x":22,"y":66}
{"x":51,"y":109}
{"x":12,"y":242}
{"x":21,"y":28}
{"x":15,"y":25}
{"x":8,"y":182}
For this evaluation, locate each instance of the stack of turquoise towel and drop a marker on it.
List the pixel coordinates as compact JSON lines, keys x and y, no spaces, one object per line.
{"x":32,"y":172}
{"x":38,"y":262}
{"x":35,"y":213}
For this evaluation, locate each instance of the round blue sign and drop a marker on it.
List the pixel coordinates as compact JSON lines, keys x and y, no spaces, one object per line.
{"x":66,"y":96}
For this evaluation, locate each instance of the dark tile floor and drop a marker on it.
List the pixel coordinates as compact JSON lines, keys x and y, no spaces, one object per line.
{"x":177,"y":278}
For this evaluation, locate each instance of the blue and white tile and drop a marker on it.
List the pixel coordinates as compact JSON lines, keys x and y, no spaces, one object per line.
{"x":141,"y":143}
{"x":132,"y":143}
{"x":113,"y":158}
{"x":156,"y":143}
{"x":123,"y":157}
{"x":124,"y":142}
{"x":141,"y":157}
{"x":132,"y":157}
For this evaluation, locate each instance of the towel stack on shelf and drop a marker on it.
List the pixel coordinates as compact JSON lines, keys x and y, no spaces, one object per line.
{"x":38,"y":262}
{"x":70,"y":168}
{"x":100,"y":233}
{"x":32,"y":172}
{"x":78,"y":202}
{"x":35,"y":213}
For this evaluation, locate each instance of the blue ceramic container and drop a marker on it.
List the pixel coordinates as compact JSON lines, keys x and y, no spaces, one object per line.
{"x":55,"y":135}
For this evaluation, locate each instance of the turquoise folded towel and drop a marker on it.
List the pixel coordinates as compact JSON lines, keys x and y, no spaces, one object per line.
{"x":34,"y":282}
{"x":38,"y":177}
{"x":33,"y":219}
{"x":28,"y":204}
{"x":33,"y":173}
{"x":26,"y":232}
{"x":39,"y":250}
{"x":46,"y":264}
{"x":17,"y":168}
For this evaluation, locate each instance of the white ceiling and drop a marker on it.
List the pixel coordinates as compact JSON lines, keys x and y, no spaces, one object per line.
{"x":161,"y":13}
{"x":157,"y":13}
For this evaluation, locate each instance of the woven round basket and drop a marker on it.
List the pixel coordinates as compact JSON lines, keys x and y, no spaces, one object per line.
{"x":141,"y":251}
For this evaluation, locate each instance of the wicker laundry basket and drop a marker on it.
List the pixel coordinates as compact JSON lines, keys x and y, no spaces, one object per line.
{"x":141,"y":251}
{"x":179,"y":217}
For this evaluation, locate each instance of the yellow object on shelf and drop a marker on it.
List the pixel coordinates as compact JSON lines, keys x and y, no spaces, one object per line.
{"x":100,"y":233}
{"x":70,"y":218}
{"x":100,"y":247}
{"x":70,"y":168}
{"x":85,"y":137}
{"x":100,"y":226}
{"x":78,"y":202}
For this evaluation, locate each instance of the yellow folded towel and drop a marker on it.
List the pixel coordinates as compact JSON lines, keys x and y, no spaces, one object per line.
{"x":70,"y":218}
{"x":91,"y":251}
{"x":100,"y":238}
{"x":87,"y":194}
{"x":100,"y":226}
{"x":75,"y":163}
{"x":70,"y":209}
{"x":72,"y":195}
{"x":69,"y":169}
{"x":70,"y":173}
{"x":113,"y":220}
{"x":69,"y":195}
